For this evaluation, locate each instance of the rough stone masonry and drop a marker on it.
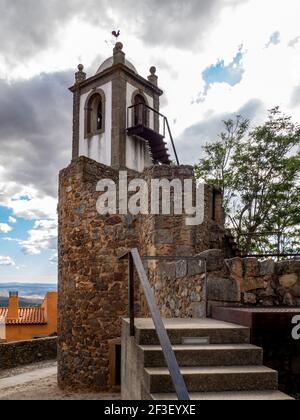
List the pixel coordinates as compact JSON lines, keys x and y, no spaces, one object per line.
{"x":92,"y":281}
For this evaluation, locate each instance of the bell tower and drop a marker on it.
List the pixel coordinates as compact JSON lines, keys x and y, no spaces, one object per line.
{"x":117,"y":125}
{"x":116,"y":119}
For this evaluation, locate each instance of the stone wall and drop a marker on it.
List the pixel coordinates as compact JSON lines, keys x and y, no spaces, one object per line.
{"x":21,"y":353}
{"x":93,"y":292}
{"x":92,"y":281}
{"x":266,"y":283}
{"x":188,"y":288}
{"x":179,"y":289}
{"x":253,"y":282}
{"x":183,"y":290}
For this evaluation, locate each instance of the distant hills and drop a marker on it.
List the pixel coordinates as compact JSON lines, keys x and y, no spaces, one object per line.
{"x":22,"y":302}
{"x":30,"y":294}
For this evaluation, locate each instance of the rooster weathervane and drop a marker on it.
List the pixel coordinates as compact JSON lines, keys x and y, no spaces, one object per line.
{"x":116,"y":35}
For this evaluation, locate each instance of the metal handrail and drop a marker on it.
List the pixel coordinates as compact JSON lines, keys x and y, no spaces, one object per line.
{"x":280,"y":253}
{"x":166,"y":123}
{"x":275,"y":255}
{"x":135,"y":261}
{"x":148,"y":107}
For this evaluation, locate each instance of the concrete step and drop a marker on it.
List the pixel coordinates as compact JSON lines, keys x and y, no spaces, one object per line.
{"x":228,"y":396}
{"x":205,"y":355}
{"x":213,"y":379}
{"x":217,"y":332}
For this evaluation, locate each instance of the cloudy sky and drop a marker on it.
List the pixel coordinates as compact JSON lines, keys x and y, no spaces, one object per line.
{"x":215,"y":59}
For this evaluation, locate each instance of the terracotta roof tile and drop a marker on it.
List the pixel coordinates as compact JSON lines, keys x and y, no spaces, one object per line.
{"x":27,"y":316}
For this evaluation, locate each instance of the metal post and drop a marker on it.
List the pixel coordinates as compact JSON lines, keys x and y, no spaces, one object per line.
{"x":131,"y":294}
{"x":170,"y":358}
{"x":172,"y":141}
{"x":279,"y":242}
{"x":206,"y":290}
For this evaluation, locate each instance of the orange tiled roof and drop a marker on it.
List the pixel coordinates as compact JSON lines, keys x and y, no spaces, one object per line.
{"x":27,"y":316}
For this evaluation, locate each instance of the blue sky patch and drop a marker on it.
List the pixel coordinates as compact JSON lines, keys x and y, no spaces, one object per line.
{"x":25,"y":268}
{"x":274,"y":39}
{"x":219,"y":73}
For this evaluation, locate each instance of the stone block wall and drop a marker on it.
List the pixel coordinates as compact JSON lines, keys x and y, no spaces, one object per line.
{"x":266,"y":283}
{"x":93,"y":283}
{"x":188,"y":289}
{"x":179,"y":289}
{"x":251,"y":282}
{"x":22,"y":353}
{"x":182,"y":289}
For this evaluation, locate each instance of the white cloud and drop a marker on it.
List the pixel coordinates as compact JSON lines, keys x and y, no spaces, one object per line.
{"x":7,"y":261}
{"x":191,"y":38}
{"x":42,"y":237}
{"x":54,"y":259}
{"x":4,"y":228}
{"x":293,"y":42}
{"x":270,"y":76}
{"x":76,"y":28}
{"x":26,"y":202}
{"x":12,"y":220}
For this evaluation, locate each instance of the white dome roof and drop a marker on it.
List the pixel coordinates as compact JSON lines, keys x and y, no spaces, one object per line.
{"x":109,"y":63}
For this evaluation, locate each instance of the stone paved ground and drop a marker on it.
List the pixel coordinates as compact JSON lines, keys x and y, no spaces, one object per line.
{"x":18,"y":384}
{"x":23,"y":369}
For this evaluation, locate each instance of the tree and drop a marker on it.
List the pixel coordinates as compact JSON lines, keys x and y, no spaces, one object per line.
{"x":258,"y":172}
{"x":216,"y":167}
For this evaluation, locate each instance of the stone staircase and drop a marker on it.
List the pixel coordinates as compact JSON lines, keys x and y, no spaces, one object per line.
{"x":216,"y":360}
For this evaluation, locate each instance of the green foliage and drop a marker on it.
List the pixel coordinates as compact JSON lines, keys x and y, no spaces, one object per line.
{"x":258,"y":172}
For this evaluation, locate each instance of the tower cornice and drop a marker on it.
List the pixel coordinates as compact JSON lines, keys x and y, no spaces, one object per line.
{"x":110,"y":72}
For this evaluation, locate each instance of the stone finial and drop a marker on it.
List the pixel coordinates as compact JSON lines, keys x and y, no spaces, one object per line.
{"x":118,"y":47}
{"x":80,"y":76}
{"x":153,"y":70}
{"x":153,"y":78}
{"x":119,"y":55}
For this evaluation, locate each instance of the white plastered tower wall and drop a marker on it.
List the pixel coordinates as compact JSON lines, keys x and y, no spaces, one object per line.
{"x":137,"y":151}
{"x":98,"y":146}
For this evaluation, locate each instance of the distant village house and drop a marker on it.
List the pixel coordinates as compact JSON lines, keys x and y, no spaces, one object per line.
{"x":29,"y":322}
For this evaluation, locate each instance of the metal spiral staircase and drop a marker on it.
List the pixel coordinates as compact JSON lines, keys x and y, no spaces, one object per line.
{"x":148,"y":124}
